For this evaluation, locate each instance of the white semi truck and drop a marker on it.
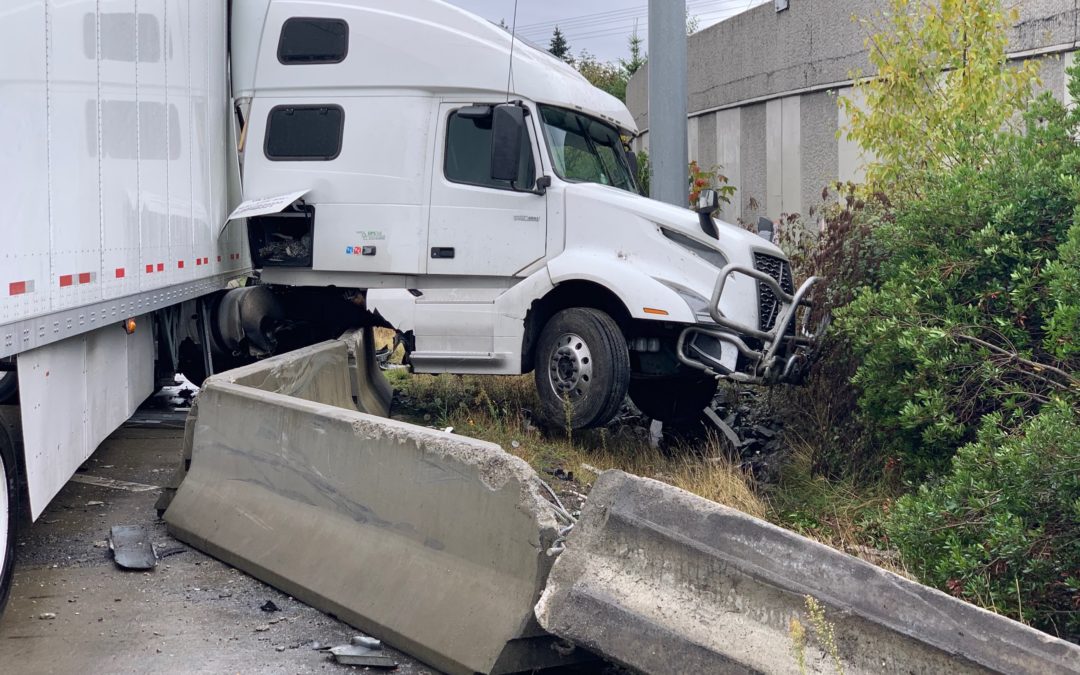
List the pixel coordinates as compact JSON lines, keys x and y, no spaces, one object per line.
{"x":400,"y":163}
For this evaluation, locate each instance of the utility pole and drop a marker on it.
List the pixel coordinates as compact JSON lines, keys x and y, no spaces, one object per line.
{"x":667,"y":101}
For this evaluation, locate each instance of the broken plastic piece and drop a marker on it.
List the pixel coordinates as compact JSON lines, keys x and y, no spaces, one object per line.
{"x":366,"y":641}
{"x":131,"y":547}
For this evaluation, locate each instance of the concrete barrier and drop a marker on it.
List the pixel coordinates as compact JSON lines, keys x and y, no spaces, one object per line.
{"x":432,"y":542}
{"x":666,"y":582}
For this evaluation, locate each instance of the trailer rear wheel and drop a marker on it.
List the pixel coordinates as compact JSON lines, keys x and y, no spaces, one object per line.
{"x":582,"y":369}
{"x":8,"y":516}
{"x":9,"y":385}
{"x":676,"y":401}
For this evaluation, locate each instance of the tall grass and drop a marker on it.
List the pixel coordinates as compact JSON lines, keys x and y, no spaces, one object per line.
{"x":499,"y":409}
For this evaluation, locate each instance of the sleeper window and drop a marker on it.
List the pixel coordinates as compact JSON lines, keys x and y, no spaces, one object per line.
{"x":308,"y":133}
{"x":313,"y":40}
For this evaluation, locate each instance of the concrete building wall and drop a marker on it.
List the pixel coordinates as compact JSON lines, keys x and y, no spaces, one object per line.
{"x":763,"y":90}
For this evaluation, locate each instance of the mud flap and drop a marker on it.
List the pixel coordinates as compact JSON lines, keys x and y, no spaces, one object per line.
{"x":432,"y":542}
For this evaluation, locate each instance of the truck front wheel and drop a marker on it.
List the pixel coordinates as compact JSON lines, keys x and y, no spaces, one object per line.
{"x":582,"y":369}
{"x":677,"y":400}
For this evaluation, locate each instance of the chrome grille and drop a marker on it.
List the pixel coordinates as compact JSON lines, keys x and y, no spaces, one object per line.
{"x":768,"y":303}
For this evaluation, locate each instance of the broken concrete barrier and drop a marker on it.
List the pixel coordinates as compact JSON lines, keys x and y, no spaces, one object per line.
{"x":432,"y":542}
{"x":666,"y":582}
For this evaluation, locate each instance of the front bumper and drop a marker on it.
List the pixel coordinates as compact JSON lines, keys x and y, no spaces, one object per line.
{"x":782,"y":354}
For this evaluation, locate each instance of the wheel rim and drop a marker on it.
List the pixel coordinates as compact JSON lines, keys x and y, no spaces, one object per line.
{"x":570,"y":367}
{"x":4,"y":515}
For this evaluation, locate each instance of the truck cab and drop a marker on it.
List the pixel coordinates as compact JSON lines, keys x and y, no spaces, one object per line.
{"x":481,"y":196}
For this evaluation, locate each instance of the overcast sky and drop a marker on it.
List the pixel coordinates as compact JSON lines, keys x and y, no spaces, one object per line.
{"x":600,"y":26}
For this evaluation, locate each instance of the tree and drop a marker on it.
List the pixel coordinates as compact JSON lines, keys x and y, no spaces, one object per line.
{"x":943,"y":90}
{"x":601,"y":74}
{"x":559,"y":47}
{"x":637,"y":59}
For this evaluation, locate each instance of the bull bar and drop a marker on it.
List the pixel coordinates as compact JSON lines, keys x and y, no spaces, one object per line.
{"x":782,"y":357}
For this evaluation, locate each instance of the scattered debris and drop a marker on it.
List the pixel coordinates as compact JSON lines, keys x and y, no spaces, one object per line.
{"x":131,"y":547}
{"x":112,"y":484}
{"x":269,"y":606}
{"x":366,"y":641}
{"x":172,"y":550}
{"x":449,"y":430}
{"x":725,"y":428}
{"x":591,"y":469}
{"x":262,"y":628}
{"x":47,"y":616}
{"x":560,"y":473}
{"x":515,"y":445}
{"x":94,"y":502}
{"x":656,"y":433}
{"x":357,"y":655}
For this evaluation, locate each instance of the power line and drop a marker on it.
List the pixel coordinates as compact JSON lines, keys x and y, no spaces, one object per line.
{"x":612,"y":15}
{"x":603,"y":24}
{"x":627,"y":28}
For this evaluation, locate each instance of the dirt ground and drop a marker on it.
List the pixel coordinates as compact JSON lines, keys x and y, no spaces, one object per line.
{"x":72,"y":610}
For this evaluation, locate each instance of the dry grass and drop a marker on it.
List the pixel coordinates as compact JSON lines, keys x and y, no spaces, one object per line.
{"x":839,"y":513}
{"x":498,"y":409}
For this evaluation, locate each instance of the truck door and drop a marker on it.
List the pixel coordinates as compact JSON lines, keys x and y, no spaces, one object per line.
{"x":480,"y":226}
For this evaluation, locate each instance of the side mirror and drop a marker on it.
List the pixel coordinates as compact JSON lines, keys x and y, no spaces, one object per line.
{"x":631,"y":158}
{"x":708,"y":201}
{"x":507,"y":137}
{"x":765,"y":228}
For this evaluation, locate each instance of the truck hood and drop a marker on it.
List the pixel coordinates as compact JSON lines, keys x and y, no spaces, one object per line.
{"x":682,"y":220}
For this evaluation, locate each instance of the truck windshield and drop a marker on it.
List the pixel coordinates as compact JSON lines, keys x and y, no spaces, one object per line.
{"x":586,"y":150}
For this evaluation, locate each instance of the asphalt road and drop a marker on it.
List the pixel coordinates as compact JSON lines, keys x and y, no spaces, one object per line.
{"x":72,"y":610}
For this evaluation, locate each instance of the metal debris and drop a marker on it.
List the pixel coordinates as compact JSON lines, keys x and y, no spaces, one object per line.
{"x":357,"y":655}
{"x":131,"y":547}
{"x":722,"y":425}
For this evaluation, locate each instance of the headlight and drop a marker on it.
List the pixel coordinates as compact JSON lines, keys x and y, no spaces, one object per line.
{"x":698,"y":305}
{"x":703,"y":251}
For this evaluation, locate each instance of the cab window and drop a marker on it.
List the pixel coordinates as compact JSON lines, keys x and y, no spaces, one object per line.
{"x":468,"y":153}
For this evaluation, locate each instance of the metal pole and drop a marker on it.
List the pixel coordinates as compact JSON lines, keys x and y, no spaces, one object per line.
{"x":667,"y":101}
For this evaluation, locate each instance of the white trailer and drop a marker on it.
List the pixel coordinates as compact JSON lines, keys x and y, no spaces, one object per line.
{"x":114,"y":129}
{"x":405,"y":163}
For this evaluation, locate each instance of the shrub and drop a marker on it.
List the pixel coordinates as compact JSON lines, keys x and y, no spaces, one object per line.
{"x":976,"y":303}
{"x":1003,"y":529}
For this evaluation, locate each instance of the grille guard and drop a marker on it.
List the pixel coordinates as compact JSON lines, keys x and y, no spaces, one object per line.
{"x":783,"y":357}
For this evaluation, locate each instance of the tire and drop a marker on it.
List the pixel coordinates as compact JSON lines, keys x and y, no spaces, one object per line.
{"x":9,"y":385}
{"x":676,"y":401}
{"x":581,"y":355}
{"x":9,"y":516}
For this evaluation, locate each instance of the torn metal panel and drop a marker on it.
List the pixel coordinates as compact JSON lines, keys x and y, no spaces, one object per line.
{"x":664,"y":581}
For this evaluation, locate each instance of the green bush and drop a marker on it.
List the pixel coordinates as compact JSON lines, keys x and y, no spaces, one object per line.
{"x":1003,"y":529}
{"x":976,"y":305}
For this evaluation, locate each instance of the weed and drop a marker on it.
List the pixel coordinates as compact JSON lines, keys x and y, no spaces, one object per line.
{"x":825,"y":631}
{"x":798,"y":643}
